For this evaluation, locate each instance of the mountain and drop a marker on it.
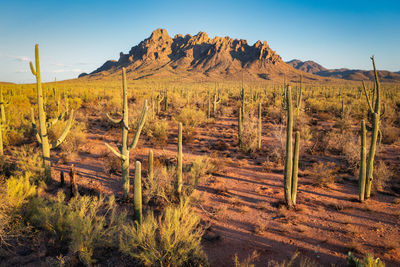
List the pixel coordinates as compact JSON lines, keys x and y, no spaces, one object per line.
{"x":347,"y":74}
{"x":198,"y":57}
{"x":306,"y":66}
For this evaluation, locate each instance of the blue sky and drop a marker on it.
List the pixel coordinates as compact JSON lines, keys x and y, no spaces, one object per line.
{"x":79,"y":36}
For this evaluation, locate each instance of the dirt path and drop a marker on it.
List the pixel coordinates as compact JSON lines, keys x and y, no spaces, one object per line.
{"x":241,"y":203}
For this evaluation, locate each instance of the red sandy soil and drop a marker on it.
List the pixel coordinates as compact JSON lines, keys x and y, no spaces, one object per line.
{"x":241,"y":203}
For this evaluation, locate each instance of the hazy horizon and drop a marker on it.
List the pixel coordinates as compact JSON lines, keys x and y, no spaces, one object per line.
{"x":79,"y":37}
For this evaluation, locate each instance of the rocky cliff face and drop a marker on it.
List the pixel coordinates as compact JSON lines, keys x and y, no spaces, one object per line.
{"x":219,"y":56}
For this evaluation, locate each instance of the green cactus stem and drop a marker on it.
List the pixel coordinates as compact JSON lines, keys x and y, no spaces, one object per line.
{"x":289,"y":150}
{"x":137,"y":192}
{"x":259,"y":127}
{"x":151,"y":172}
{"x":240,"y":126}
{"x":295,"y":166}
{"x":362,"y":177}
{"x":123,"y":153}
{"x":180,"y":163}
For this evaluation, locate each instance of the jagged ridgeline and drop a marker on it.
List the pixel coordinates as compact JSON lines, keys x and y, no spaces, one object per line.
{"x":198,"y":56}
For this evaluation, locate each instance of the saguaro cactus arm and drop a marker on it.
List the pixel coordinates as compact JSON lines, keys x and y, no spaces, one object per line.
{"x":115,"y":152}
{"x":53,"y":122}
{"x":35,"y":130}
{"x":61,"y":139}
{"x":139,"y":127}
{"x":116,"y":121}
{"x":366,"y":96}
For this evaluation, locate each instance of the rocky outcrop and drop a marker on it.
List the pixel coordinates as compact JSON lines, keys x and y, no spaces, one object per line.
{"x":199,"y":53}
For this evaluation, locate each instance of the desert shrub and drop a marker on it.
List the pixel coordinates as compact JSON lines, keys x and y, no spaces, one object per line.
{"x":86,"y":223}
{"x":346,"y":144}
{"x":14,"y":194}
{"x":75,"y":103}
{"x":323,"y":174}
{"x":199,"y":168}
{"x":29,"y":159}
{"x":247,"y":262}
{"x":75,"y":138}
{"x":175,"y":238}
{"x":368,"y":261}
{"x":249,"y":134}
{"x":112,"y":164}
{"x":160,"y":189}
{"x":390,"y":134}
{"x":7,"y":168}
{"x":382,"y":176}
{"x":191,"y":117}
{"x":277,"y":151}
{"x":157,"y":132}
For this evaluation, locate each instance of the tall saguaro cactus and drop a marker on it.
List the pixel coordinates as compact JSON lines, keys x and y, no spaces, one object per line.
{"x":295,"y":166}
{"x":361,"y":180}
{"x":375,"y":109}
{"x":240,"y":126}
{"x":137,"y":192}
{"x":289,"y":149}
{"x":41,"y":133}
{"x":259,"y":127}
{"x":180,"y":163}
{"x":123,"y":153}
{"x":2,"y":120}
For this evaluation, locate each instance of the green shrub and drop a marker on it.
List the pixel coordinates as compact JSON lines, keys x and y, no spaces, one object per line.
{"x":85,"y":223}
{"x":191,"y":117}
{"x":157,"y":132}
{"x":368,"y":261}
{"x":174,"y":239}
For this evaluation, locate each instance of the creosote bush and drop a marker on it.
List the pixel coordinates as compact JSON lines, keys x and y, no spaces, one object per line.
{"x":172,"y":239}
{"x":84,"y":223}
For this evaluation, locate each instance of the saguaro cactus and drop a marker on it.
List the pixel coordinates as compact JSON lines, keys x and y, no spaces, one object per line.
{"x":42,"y":136}
{"x":216,"y":101}
{"x":137,"y":192}
{"x":179,"y":169}
{"x":289,"y":149}
{"x":299,"y":96}
{"x":361,"y":180}
{"x":150,"y":174}
{"x":123,"y":153}
{"x":240,"y":126}
{"x":2,"y":120}
{"x":295,"y":166}
{"x":259,"y":127}
{"x":375,"y":109}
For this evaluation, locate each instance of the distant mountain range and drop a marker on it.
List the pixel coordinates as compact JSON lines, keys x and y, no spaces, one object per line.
{"x":199,"y":57}
{"x":347,"y":74}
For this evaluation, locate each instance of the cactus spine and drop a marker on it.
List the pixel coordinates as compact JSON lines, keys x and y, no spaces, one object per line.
{"x":259,"y":127}
{"x":42,"y":136}
{"x":375,"y":109}
{"x":362,"y":177}
{"x":295,"y":166}
{"x":179,"y":169}
{"x":137,"y":192}
{"x":123,"y":154}
{"x":289,"y":150}
{"x":151,"y":172}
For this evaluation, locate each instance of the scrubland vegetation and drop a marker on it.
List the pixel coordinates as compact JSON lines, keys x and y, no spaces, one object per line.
{"x":317,"y":137}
